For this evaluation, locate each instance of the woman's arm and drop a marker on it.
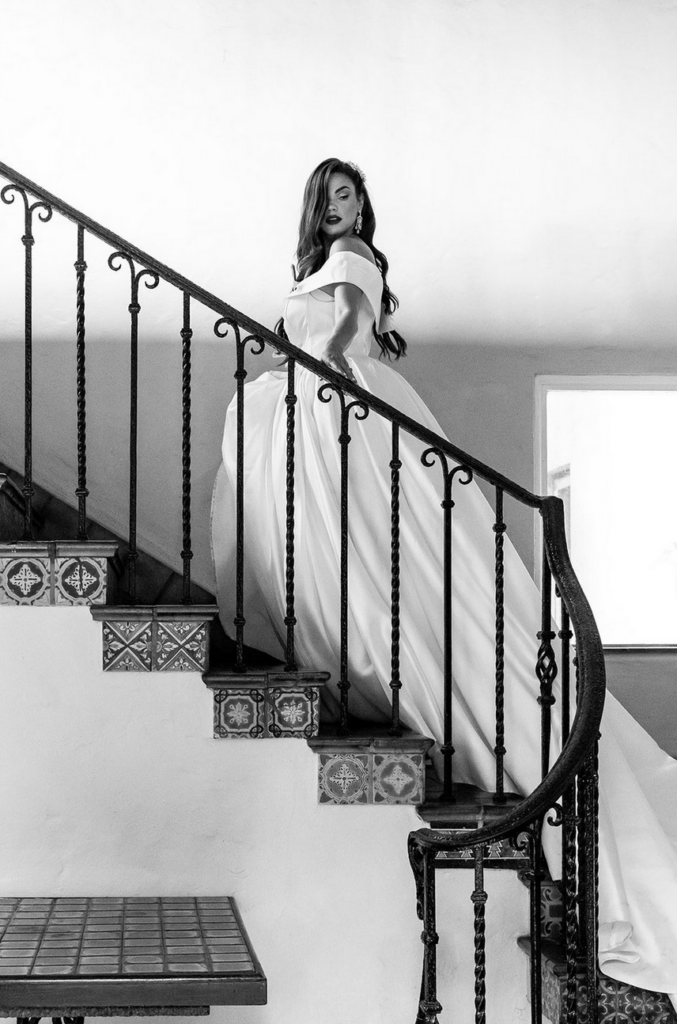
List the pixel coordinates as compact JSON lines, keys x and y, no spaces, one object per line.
{"x":347,"y":300}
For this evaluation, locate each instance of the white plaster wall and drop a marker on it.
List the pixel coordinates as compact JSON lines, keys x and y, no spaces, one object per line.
{"x":111,"y":784}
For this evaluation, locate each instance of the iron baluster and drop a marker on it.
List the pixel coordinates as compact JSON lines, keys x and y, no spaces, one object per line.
{"x":221,"y":330}
{"x":591,"y":920}
{"x":186,"y":337}
{"x":479,"y":899}
{"x":361,"y":413}
{"x":81,"y":491}
{"x":395,"y":682}
{"x":429,"y":1007}
{"x":115,"y":263}
{"x":449,"y":475}
{"x":290,"y":617}
{"x":531,"y":840}
{"x":570,"y":920}
{"x":44,"y":214}
{"x":499,"y":749}
{"x":546,"y":666}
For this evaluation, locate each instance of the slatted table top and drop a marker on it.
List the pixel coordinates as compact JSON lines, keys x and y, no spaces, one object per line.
{"x":170,"y":951}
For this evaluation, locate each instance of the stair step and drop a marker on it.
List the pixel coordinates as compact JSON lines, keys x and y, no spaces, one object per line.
{"x":617,"y":1002}
{"x":54,"y":520}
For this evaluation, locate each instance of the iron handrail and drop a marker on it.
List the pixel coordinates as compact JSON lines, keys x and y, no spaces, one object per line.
{"x":585,"y":726}
{"x":257,"y":330}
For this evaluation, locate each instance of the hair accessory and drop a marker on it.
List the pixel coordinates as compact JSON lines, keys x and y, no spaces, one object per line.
{"x":356,"y":169}
{"x":358,"y":223}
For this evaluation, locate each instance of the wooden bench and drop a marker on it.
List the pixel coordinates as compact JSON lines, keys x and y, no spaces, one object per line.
{"x":73,"y":958}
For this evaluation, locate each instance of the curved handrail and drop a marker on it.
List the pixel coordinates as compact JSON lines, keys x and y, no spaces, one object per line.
{"x":586,"y":723}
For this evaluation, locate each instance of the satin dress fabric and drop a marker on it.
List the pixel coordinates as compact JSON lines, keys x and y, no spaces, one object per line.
{"x":638,"y":781}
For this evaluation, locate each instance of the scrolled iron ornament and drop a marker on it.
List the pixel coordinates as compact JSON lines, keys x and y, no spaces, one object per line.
{"x":325,"y":395}
{"x":44,"y":209}
{"x":137,"y":276}
{"x":557,"y":817}
{"x":221,"y":328}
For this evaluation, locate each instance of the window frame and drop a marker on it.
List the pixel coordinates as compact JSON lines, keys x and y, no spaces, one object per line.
{"x":546,"y":382}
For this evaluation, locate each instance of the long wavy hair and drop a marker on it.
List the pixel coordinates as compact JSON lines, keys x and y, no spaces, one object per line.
{"x":311,"y":251}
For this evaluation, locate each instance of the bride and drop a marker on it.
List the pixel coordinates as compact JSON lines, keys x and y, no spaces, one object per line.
{"x":338,"y":310}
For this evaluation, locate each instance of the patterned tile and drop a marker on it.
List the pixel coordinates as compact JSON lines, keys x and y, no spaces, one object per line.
{"x":344,"y":779}
{"x":502,"y":853}
{"x":398,"y":778}
{"x":127,"y":646}
{"x":293,"y":712}
{"x":80,"y":581}
{"x":180,"y":647}
{"x":25,"y":580}
{"x":54,"y":572}
{"x":239,"y":714}
{"x":267,"y":704}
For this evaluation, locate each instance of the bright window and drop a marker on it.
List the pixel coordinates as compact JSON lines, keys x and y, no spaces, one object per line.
{"x":607,"y":448}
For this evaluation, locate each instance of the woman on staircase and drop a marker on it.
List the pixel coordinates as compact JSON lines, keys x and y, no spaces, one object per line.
{"x":338,"y":310}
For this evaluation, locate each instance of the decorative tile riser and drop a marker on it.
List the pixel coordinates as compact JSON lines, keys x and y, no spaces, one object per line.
{"x":371,"y":777}
{"x":263,"y":712}
{"x":617,"y":1003}
{"x":501,"y":854}
{"x":39,"y":580}
{"x":137,"y":646}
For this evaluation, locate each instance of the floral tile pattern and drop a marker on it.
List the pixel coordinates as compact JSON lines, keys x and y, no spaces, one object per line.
{"x":25,"y":580}
{"x":398,"y":778}
{"x":367,"y":774}
{"x":265,"y":707}
{"x":54,"y":572}
{"x":239,"y":713}
{"x":344,"y":779}
{"x":79,"y":581}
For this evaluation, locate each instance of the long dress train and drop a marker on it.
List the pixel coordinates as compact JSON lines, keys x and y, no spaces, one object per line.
{"x":638,"y":781}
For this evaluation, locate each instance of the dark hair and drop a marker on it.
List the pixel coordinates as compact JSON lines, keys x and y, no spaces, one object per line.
{"x":310,"y":251}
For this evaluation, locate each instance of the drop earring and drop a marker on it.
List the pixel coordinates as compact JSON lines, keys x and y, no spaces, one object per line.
{"x":358,"y":223}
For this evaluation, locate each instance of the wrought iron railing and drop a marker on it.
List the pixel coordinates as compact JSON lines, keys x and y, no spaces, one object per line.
{"x":571,"y":779}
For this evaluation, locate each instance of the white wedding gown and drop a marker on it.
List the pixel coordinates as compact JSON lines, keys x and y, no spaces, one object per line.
{"x":638,"y":782}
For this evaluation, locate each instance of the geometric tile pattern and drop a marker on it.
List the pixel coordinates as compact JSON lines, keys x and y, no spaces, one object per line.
{"x":127,"y":646}
{"x":500,"y":854}
{"x":54,"y":573}
{"x":262,"y":711}
{"x":160,"y":638}
{"x":104,"y":937}
{"x":369,"y":776}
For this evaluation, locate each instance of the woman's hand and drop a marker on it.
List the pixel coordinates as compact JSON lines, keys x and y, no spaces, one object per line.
{"x":333,"y":356}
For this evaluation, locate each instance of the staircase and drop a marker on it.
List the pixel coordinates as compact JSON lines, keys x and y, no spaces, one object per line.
{"x":155,"y":620}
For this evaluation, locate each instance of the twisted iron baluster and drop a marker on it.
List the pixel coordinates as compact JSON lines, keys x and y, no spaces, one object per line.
{"x":81,"y":491}
{"x":186,"y":553}
{"x":395,"y":682}
{"x":447,"y":749}
{"x":45,"y":214}
{"x":221,"y":330}
{"x":546,"y":666}
{"x":361,"y":413}
{"x":290,"y":618}
{"x":479,"y":899}
{"x":499,"y":530}
{"x":530,"y":840}
{"x":115,"y":261}
{"x":591,"y":840}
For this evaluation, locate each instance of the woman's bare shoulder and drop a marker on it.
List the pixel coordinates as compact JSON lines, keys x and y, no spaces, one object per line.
{"x":351,"y":243}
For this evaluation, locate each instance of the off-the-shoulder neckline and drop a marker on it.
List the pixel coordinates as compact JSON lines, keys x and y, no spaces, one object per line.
{"x":342,"y":253}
